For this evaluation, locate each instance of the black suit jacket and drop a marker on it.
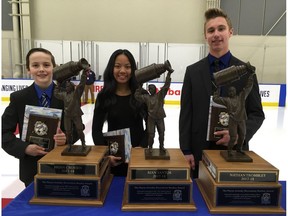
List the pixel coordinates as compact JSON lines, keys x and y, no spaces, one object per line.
{"x":13,"y":116}
{"x":195,"y":99}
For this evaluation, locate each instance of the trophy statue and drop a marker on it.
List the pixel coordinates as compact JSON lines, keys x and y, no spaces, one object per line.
{"x":155,"y":104}
{"x":232,"y":187}
{"x":163,"y":172}
{"x":71,"y":97}
{"x":235,"y":105}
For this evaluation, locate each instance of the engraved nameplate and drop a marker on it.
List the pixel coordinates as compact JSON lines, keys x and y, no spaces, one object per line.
{"x":152,"y":174}
{"x":159,"y":193}
{"x":247,"y":196}
{"x":68,"y":169}
{"x":247,"y":176}
{"x":67,"y":188}
{"x":43,"y":142}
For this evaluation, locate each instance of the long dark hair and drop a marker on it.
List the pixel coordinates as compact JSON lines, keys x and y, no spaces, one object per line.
{"x":107,"y":95}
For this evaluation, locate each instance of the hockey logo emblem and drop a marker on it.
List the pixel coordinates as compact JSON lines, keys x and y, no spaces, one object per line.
{"x":40,"y":128}
{"x":224,"y":118}
{"x":114,"y":147}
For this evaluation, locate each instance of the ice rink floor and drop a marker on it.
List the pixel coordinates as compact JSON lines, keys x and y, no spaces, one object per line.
{"x":270,"y":142}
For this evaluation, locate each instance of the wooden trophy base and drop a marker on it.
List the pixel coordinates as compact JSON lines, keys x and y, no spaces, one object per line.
{"x":76,"y":150}
{"x":72,"y":181}
{"x":239,"y":188}
{"x":158,"y":185}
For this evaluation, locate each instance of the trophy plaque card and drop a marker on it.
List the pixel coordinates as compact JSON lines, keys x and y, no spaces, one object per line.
{"x":116,"y":146}
{"x":41,"y":130}
{"x":158,"y":185}
{"x":40,"y":124}
{"x":239,"y":187}
{"x":119,"y":143}
{"x":218,"y":120}
{"x":73,"y":180}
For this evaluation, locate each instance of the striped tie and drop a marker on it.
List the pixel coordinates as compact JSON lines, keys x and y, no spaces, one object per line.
{"x":44,"y":100}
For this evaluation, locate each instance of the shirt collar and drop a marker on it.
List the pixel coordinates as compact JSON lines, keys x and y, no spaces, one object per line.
{"x":40,"y":91}
{"x":223,"y":59}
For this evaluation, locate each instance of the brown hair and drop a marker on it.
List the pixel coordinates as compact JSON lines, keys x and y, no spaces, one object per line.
{"x":33,"y":50}
{"x":216,"y":12}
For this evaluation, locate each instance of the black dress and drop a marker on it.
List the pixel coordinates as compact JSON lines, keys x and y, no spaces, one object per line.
{"x":120,"y":115}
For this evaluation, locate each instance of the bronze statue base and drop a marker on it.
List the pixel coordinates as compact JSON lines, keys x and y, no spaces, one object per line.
{"x":76,"y":150}
{"x":236,"y":156}
{"x":156,"y":154}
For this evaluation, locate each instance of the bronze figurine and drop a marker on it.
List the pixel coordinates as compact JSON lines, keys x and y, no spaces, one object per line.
{"x":234,"y":103}
{"x":71,"y":97}
{"x":154,"y":100}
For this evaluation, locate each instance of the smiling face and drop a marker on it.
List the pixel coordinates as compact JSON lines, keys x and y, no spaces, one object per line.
{"x":41,"y":68}
{"x":217,"y":34}
{"x":122,"y":69}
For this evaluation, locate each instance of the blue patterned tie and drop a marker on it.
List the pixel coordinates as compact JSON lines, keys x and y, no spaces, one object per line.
{"x":44,"y":100}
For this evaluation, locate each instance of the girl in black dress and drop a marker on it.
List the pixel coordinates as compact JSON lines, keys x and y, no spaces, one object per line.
{"x":116,"y":105}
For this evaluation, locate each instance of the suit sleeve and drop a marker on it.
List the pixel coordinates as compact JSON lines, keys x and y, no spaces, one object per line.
{"x":10,"y":143}
{"x":254,"y":111}
{"x":185,"y":118}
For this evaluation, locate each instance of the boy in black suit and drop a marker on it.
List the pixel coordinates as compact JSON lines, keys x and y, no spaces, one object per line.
{"x":198,"y":88}
{"x":39,"y":63}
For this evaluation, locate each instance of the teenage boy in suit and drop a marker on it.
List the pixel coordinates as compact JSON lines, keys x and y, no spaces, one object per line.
{"x":198,"y":87}
{"x":39,"y":63}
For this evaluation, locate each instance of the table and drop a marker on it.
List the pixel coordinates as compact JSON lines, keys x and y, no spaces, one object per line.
{"x":112,"y":206}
